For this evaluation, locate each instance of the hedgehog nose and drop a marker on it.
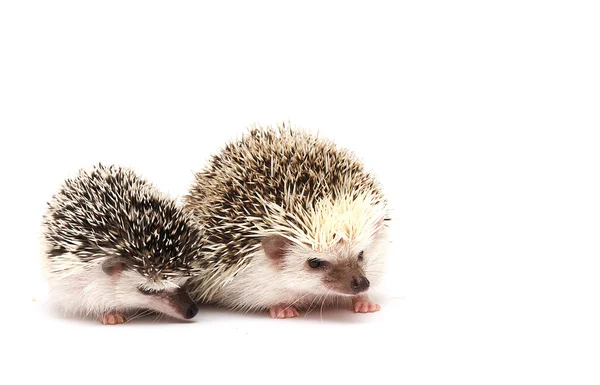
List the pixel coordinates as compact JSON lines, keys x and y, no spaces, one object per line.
{"x":359,"y":284}
{"x":191,"y":311}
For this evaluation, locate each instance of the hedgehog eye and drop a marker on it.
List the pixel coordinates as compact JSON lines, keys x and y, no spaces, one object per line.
{"x":314,"y":263}
{"x":361,"y":256}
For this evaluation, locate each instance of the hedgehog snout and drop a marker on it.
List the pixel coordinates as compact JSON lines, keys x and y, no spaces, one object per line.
{"x":358,"y":284}
{"x":191,"y":311}
{"x":183,"y":304}
{"x":175,"y":303}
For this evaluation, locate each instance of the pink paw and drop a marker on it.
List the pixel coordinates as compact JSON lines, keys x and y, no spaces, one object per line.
{"x":112,"y":319}
{"x":281,"y":311}
{"x":365,"y":307}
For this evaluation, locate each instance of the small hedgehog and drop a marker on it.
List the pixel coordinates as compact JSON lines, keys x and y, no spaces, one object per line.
{"x":292,"y":221}
{"x":114,"y":244}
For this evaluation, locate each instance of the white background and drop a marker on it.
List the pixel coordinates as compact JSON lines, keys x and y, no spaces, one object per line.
{"x":480,"y":119}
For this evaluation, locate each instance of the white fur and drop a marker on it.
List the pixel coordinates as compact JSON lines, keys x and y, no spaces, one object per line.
{"x":85,"y":289}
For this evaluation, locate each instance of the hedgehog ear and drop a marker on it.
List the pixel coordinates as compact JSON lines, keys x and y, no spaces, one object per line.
{"x":275,"y":247}
{"x":114,"y":265}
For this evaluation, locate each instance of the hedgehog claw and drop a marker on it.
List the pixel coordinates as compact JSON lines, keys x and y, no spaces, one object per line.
{"x":282,"y":311}
{"x":112,"y":318}
{"x":364,"y":305}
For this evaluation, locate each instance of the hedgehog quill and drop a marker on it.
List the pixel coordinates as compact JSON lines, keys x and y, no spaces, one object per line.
{"x":115,"y":245}
{"x":292,"y":222}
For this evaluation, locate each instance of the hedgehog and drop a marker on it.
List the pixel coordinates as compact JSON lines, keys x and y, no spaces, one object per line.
{"x":292,"y":222}
{"x":113,"y":245}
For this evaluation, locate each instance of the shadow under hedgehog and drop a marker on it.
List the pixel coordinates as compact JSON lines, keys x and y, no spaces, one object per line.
{"x":292,"y":222}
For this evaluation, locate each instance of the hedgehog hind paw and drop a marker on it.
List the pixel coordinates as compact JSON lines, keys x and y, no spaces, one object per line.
{"x":283,"y":311}
{"x":112,"y":318}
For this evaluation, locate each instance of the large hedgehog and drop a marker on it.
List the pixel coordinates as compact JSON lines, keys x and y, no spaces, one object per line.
{"x":114,"y":244}
{"x":292,"y":221}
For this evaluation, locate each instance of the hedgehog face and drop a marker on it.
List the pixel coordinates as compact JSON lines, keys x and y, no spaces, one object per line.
{"x":346,"y":268}
{"x":164,"y":293}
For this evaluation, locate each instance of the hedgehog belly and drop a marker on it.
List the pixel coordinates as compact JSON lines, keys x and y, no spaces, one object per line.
{"x":252,"y":291}
{"x":244,"y":300}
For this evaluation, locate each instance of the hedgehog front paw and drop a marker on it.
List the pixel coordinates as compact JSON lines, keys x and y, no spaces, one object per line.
{"x":283,"y":311}
{"x":112,"y":318}
{"x":362,"y":304}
